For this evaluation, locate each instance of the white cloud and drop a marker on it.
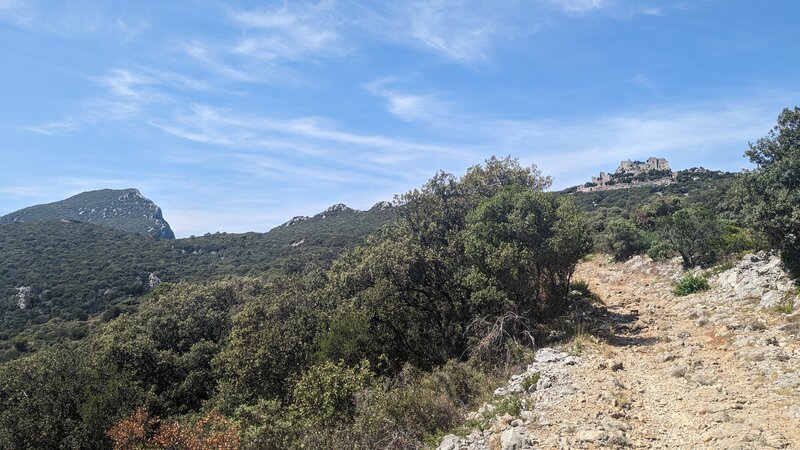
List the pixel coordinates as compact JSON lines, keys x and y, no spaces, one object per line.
{"x":213,"y":60}
{"x":406,"y":106}
{"x":294,"y":31}
{"x":221,"y":127}
{"x":54,"y":128}
{"x":579,"y":6}
{"x":71,"y":20}
{"x":124,"y":83}
{"x":262,"y":45}
{"x":448,"y":28}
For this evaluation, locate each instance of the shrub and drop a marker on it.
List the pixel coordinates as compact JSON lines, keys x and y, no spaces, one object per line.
{"x":695,"y":233}
{"x":660,"y":250}
{"x":412,"y":410}
{"x":141,"y":430}
{"x":689,"y":284}
{"x":581,"y":288}
{"x":622,"y":239}
{"x":266,"y":425}
{"x":325,"y":394}
{"x":530,"y":382}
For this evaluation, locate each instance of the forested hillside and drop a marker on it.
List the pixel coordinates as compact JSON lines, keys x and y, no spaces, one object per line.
{"x":74,"y":274}
{"x":413,"y":321}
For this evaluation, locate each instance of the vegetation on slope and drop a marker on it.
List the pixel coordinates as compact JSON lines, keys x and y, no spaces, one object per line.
{"x":121,"y":209}
{"x":392,"y":343}
{"x":79,"y":274}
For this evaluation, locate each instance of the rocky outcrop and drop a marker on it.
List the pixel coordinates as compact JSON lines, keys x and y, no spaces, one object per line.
{"x":22,"y":296}
{"x":153,"y":280}
{"x":547,"y":380}
{"x":758,"y":277}
{"x":337,"y":207}
{"x":295,"y":220}
{"x":381,"y":205}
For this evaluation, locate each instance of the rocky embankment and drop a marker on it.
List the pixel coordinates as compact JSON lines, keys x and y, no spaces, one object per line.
{"x":717,"y":369}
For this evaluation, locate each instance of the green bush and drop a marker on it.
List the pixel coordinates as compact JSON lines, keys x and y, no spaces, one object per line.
{"x":266,"y":425}
{"x":412,"y":410}
{"x":325,"y":394}
{"x":770,"y":194}
{"x":689,"y":284}
{"x":622,"y":239}
{"x":660,"y":250}
{"x":580,"y":287}
{"x":695,"y":233}
{"x":530,"y":382}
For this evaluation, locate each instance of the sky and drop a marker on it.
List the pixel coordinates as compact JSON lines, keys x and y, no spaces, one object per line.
{"x":236,"y":116}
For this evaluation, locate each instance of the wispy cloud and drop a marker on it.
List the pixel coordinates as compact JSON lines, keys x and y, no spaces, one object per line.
{"x":462,"y":31}
{"x":578,"y":6}
{"x":131,"y":29}
{"x":293,"y":31}
{"x":126,"y":93}
{"x":262,"y":45}
{"x":54,"y":128}
{"x":211,"y":125}
{"x":444,"y":26}
{"x":70,"y":19}
{"x":407,"y":106}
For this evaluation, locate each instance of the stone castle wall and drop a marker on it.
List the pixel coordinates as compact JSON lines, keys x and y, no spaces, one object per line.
{"x":629,"y":167}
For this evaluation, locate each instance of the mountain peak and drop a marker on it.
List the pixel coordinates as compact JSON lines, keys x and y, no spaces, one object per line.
{"x":338,"y":207}
{"x":294,"y":220}
{"x":382,"y":205}
{"x":123,"y":209}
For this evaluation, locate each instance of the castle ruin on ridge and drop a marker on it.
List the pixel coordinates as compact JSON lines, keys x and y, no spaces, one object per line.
{"x":654,"y":171}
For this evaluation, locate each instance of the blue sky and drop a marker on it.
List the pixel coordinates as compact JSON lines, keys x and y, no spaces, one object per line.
{"x":235,"y":116}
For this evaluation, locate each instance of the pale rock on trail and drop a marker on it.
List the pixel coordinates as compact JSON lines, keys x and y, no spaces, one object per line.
{"x":712,"y":370}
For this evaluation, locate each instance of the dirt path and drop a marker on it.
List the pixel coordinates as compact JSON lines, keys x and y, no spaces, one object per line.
{"x":692,"y":372}
{"x":658,"y":371}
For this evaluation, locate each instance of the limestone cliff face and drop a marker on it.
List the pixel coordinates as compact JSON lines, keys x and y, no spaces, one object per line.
{"x":123,"y":209}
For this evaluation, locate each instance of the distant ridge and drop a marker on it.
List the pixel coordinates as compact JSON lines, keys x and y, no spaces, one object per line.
{"x":335,"y":211}
{"x":122,"y":209}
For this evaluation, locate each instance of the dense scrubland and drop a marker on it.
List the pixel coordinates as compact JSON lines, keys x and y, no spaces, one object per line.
{"x":363,"y":342}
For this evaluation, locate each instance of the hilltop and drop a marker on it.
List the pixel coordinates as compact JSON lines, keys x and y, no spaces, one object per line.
{"x":654,"y":171}
{"x":122,"y":209}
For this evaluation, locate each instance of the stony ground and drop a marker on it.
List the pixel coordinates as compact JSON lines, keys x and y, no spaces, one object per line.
{"x":709,"y":370}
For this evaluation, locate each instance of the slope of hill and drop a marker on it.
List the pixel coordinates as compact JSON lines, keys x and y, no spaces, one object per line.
{"x":55,"y":276}
{"x":123,"y":209}
{"x":697,"y":185}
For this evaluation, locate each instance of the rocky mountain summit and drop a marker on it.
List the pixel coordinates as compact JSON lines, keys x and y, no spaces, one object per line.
{"x":335,"y":211}
{"x":647,"y":369}
{"x":123,"y":209}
